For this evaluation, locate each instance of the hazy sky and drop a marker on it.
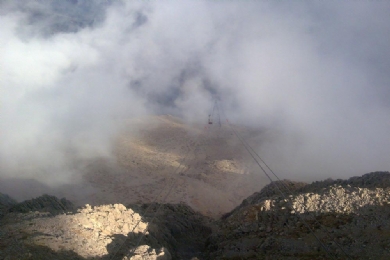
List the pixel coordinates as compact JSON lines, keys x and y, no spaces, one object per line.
{"x":315,"y":74}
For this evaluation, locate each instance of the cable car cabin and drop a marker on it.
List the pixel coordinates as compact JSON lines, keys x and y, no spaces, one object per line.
{"x":210,"y":122}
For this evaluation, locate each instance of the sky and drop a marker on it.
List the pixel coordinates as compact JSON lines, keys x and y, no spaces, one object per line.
{"x":313,"y":75}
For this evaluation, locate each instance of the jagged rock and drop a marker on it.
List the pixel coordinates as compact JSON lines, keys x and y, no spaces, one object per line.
{"x":349,"y":221}
{"x":108,"y":232}
{"x":94,"y":232}
{"x":322,"y":220}
{"x":269,"y":191}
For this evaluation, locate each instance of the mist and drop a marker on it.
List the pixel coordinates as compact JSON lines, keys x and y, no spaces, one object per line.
{"x":313,"y":76}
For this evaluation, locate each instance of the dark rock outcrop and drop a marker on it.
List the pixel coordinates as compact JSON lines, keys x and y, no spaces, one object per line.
{"x":5,"y":203}
{"x":182,"y":230}
{"x":44,"y":203}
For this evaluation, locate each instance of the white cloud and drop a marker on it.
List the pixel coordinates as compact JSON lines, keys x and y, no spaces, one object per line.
{"x":306,"y":72}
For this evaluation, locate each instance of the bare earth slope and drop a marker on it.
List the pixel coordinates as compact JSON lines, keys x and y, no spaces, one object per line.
{"x":206,"y":161}
{"x":209,"y":175}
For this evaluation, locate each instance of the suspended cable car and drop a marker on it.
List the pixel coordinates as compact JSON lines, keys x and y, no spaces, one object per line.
{"x":210,"y":122}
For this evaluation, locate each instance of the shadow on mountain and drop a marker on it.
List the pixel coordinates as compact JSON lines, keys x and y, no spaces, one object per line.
{"x":248,"y":232}
{"x":121,"y":247}
{"x":176,"y":227}
{"x":145,"y":246}
{"x":44,"y":203}
{"x":281,"y":235}
{"x":174,"y":232}
{"x":253,"y":234}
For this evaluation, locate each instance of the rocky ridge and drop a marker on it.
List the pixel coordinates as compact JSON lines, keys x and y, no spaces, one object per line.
{"x":104,"y":232}
{"x":351,"y":222}
{"x":339,"y":219}
{"x":90,"y":233}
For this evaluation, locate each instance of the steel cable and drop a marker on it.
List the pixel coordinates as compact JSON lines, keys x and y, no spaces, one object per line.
{"x":326,"y":249}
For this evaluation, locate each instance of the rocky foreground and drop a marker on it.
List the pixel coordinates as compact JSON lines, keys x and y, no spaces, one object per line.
{"x":342,"y":219}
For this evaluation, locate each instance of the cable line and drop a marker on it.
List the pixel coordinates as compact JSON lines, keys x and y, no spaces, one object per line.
{"x":249,"y":148}
{"x":292,"y":193}
{"x":301,"y":204}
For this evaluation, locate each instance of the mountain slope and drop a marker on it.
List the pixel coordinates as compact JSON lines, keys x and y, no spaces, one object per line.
{"x":349,"y":217}
{"x":213,"y":173}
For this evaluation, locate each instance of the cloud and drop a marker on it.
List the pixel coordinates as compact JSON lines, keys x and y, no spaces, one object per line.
{"x":61,"y":98}
{"x":313,"y":75}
